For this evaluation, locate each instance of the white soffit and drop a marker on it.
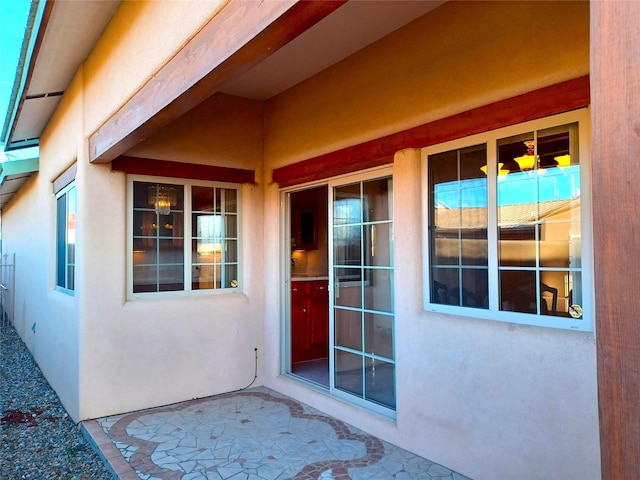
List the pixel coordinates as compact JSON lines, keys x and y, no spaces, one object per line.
{"x":13,"y":174}
{"x":33,"y":118}
{"x":70,"y":34}
{"x":350,"y":28}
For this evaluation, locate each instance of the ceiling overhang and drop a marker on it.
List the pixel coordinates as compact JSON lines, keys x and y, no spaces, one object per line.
{"x":275,"y":46}
{"x":59,"y":39}
{"x":279,"y":45}
{"x":13,"y":174}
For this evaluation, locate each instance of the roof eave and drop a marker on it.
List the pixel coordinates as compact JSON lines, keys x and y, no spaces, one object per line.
{"x":32,"y":33}
{"x":13,"y":174}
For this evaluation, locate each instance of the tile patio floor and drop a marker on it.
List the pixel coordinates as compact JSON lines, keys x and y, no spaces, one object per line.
{"x":255,"y":434}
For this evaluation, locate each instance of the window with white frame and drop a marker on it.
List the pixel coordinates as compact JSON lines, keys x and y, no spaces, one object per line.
{"x":507,"y":224}
{"x":183,"y":236}
{"x":66,"y":237}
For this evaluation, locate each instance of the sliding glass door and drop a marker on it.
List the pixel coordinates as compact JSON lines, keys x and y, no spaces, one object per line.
{"x":362,"y":360}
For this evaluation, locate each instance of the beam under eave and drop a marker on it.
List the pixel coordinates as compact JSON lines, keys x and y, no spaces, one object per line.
{"x":244,"y":32}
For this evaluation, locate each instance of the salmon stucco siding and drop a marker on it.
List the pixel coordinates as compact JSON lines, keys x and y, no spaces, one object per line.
{"x":490,"y":399}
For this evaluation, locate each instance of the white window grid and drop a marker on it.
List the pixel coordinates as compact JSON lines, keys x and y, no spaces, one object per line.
{"x":581,"y":118}
{"x":189,"y":260}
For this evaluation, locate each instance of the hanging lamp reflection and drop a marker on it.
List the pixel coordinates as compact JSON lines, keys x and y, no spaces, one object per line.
{"x":162,"y":197}
{"x":528,"y":160}
{"x":501,"y":171}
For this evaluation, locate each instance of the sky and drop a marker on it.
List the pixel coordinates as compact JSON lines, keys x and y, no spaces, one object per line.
{"x":13,"y":19}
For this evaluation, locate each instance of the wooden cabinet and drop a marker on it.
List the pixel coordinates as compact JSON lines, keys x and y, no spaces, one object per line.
{"x":304,"y":227}
{"x":309,"y":320}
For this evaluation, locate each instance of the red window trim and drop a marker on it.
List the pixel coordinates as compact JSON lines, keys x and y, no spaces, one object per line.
{"x":558,"y":98}
{"x":163,"y":168}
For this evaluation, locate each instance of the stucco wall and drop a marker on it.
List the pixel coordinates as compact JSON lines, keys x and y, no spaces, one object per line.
{"x":460,"y":56}
{"x":100,"y":352}
{"x":47,"y":319}
{"x":150,"y":352}
{"x":223,"y":130}
{"x":491,"y":400}
{"x":138,"y":353}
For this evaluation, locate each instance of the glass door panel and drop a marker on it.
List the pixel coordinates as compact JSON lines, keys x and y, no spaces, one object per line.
{"x":362,"y":301}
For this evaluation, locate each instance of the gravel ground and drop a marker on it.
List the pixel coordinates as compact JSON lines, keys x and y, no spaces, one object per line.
{"x":39,"y":440}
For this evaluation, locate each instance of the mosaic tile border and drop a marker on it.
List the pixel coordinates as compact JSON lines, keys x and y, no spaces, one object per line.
{"x":141,"y":459}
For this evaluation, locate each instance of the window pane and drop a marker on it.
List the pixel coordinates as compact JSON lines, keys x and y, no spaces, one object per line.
{"x":474,"y":247}
{"x":145,"y":278}
{"x":232,"y":251}
{"x":170,"y":278}
{"x":145,"y":223}
{"x":378,"y":241}
{"x":217,"y":200}
{"x":203,"y":277}
{"x":61,"y":246}
{"x":159,"y":237}
{"x":574,"y":289}
{"x":171,"y":225}
{"x":348,"y":328}
{"x":538,"y":203}
{"x":143,"y":197}
{"x":380,"y":382}
{"x":475,"y":288}
{"x":348,"y":371}
{"x":347,"y":205}
{"x":202,"y":198}
{"x":71,"y":277}
{"x":560,"y":290}
{"x":231,"y":224}
{"x":348,"y":288}
{"x":379,"y":334}
{"x":445,"y":245}
{"x":458,"y":224}
{"x":145,"y":251}
{"x":518,"y":291}
{"x":214,"y":241}
{"x":71,"y":237}
{"x":554,"y":293}
{"x":66,"y":238}
{"x":231,"y":276}
{"x":160,"y":197}
{"x":170,"y":252}
{"x":347,"y":245}
{"x":377,"y":289}
{"x":443,"y":169}
{"x":158,"y":229}
{"x":517,"y":245}
{"x":71,"y":254}
{"x":559,"y":247}
{"x":230,"y":200}
{"x":376,"y":193}
{"x":445,"y":284}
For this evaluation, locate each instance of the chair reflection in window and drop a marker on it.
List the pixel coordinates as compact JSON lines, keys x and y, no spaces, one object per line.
{"x":440,"y":293}
{"x":520,"y":299}
{"x":443,"y":295}
{"x":554,"y":300}
{"x":523,"y":299}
